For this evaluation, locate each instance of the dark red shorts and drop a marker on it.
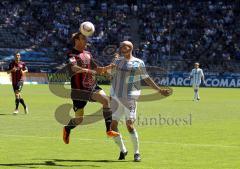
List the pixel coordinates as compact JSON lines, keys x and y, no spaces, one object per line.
{"x":81,"y":97}
{"x":18,"y":87}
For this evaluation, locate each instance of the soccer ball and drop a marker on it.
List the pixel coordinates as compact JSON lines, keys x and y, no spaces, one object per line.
{"x":87,"y":28}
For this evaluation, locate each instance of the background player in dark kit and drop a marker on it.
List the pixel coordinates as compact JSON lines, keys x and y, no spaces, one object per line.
{"x":17,"y":68}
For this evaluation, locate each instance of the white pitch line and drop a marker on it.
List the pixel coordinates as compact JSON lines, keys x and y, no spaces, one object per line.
{"x":145,"y":142}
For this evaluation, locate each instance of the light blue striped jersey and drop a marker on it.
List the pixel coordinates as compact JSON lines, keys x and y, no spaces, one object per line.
{"x":196,"y":75}
{"x":127,"y":76}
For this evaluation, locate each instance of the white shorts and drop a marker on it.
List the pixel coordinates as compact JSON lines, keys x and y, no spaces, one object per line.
{"x":121,"y":107}
{"x":196,"y":86}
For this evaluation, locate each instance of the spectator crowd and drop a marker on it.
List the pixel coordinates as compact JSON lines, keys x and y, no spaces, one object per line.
{"x":178,"y":32}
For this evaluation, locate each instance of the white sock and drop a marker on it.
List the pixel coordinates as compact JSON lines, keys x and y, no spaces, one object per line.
{"x":135,"y":141}
{"x":198,"y":95}
{"x":119,"y":141}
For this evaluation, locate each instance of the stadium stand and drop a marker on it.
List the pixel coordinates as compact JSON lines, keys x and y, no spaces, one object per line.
{"x":171,"y":34}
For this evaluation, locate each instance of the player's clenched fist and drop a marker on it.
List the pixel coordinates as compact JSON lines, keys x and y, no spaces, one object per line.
{"x":165,"y":91}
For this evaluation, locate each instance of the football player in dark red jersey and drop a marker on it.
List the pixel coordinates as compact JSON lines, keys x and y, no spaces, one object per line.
{"x":84,"y":87}
{"x":17,"y":68}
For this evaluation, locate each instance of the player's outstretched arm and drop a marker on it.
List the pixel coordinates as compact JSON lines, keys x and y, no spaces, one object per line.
{"x":103,"y":70}
{"x":78,"y":69}
{"x":152,"y":84}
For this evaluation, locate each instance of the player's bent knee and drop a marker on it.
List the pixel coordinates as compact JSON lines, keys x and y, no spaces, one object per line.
{"x":101,"y":92}
{"x":130,"y":126}
{"x":101,"y":98}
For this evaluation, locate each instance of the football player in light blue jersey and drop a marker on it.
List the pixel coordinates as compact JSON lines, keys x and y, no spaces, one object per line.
{"x":196,"y":75}
{"x":125,"y":90}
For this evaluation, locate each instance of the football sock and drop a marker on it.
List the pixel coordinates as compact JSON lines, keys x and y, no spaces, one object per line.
{"x":107,"y":114}
{"x":17,"y":103}
{"x":119,"y":141}
{"x":71,"y":124}
{"x":22,"y":102}
{"x":135,"y":141}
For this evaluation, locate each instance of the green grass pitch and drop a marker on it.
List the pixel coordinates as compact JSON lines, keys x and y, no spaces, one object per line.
{"x":206,"y":135}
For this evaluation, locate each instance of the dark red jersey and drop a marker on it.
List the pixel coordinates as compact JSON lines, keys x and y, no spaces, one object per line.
{"x":17,"y":76}
{"x":82,"y":59}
